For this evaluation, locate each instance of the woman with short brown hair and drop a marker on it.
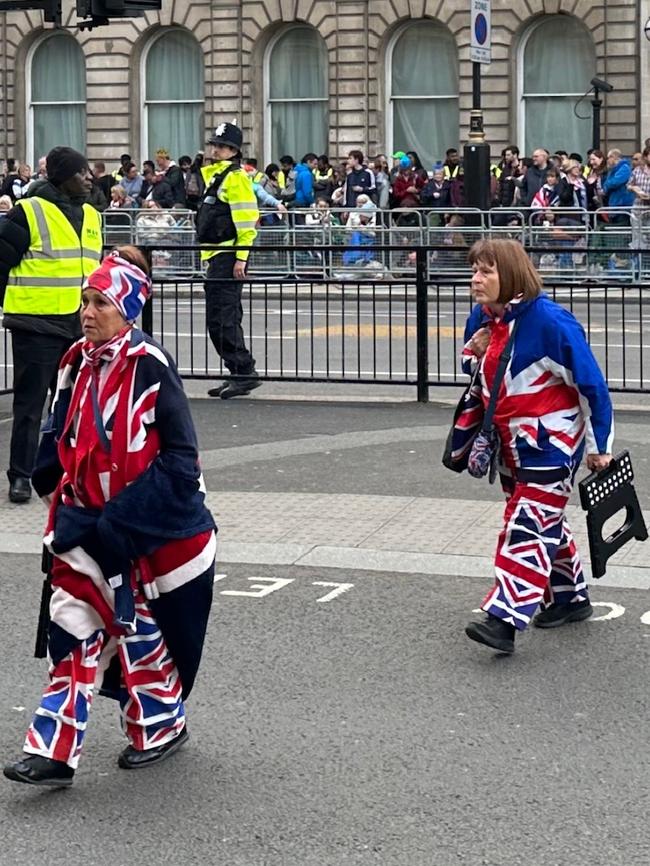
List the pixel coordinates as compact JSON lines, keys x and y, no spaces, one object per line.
{"x":552,"y":405}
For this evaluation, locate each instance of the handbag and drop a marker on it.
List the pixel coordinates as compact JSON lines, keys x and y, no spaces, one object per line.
{"x":468,"y":417}
{"x":473,"y":442}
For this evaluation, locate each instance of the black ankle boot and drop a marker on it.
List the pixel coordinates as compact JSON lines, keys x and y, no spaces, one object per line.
{"x":493,"y":632}
{"x":37,"y":770}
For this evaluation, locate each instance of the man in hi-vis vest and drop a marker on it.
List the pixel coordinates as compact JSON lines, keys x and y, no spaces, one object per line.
{"x":49,"y":243}
{"x":227,"y":218}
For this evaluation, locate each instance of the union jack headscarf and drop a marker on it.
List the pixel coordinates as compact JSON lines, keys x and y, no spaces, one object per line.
{"x":124,"y":284}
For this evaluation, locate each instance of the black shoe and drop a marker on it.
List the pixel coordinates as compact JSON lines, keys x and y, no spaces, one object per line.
{"x":216,"y":392}
{"x":239,"y":387}
{"x":132,"y":759}
{"x":560,"y":614}
{"x":20,"y":490}
{"x":36,"y":770}
{"x":493,"y":632}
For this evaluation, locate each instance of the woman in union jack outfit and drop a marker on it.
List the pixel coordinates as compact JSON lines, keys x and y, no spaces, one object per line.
{"x":133,"y":544}
{"x":552,"y":406}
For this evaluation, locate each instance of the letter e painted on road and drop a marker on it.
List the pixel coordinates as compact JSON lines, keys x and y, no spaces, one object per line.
{"x":272,"y":585}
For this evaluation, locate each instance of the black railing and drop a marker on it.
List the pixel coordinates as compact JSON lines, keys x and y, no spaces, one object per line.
{"x":405,"y":328}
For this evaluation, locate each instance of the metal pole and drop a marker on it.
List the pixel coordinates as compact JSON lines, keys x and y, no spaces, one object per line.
{"x":422,"y":324}
{"x":476,"y":86}
{"x":147,"y":310}
{"x":596,"y":103}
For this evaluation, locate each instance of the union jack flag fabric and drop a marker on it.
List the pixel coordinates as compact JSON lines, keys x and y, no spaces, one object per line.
{"x":133,"y":543}
{"x":553,"y":402}
{"x":151,"y":706}
{"x":536,"y":559}
{"x":553,"y":399}
{"x":124,"y":283}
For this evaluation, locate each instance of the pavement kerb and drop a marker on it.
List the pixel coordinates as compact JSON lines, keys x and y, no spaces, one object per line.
{"x":358,"y":559}
{"x":399,"y":562}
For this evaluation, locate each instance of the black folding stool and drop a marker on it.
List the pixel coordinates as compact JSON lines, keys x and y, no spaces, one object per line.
{"x":602,"y":495}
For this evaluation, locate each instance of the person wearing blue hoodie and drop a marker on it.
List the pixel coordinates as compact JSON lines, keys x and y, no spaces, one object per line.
{"x":619,"y":172}
{"x":305,"y":181}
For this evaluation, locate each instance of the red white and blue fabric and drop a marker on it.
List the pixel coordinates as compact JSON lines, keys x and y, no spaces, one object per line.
{"x":105,"y":521}
{"x":152,"y":712}
{"x":536,"y":559}
{"x":123,"y":283}
{"x":553,"y":403}
{"x":553,"y":399}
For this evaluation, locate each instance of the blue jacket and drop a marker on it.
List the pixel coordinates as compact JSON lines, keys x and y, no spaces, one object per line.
{"x":553,"y":399}
{"x":304,"y":186}
{"x":615,"y":185}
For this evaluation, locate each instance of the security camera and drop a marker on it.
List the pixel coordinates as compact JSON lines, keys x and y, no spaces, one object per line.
{"x":599,"y":84}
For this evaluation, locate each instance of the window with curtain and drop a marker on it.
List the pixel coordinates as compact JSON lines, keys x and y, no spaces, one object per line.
{"x":555,"y":67}
{"x":297,"y":87}
{"x":173,"y":95}
{"x":57,"y":95}
{"x":423,"y":91}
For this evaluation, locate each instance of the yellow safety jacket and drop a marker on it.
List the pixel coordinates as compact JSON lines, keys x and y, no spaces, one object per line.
{"x":47,"y":282}
{"x":237,"y":192}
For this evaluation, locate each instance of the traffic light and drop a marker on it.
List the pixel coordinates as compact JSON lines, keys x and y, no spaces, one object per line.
{"x":95,"y":11}
{"x":115,"y":8}
{"x":51,"y":8}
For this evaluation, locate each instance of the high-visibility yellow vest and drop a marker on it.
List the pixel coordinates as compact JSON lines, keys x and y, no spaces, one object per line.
{"x":47,"y":282}
{"x":235,"y":191}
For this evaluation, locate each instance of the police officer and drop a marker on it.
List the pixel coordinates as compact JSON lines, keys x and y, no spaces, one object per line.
{"x":227,"y":218}
{"x":49,"y":242}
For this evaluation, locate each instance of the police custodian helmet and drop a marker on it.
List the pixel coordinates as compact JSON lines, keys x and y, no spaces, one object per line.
{"x":227,"y":133}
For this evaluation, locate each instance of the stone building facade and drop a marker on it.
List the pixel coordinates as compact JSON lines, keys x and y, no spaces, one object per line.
{"x":352,"y":54}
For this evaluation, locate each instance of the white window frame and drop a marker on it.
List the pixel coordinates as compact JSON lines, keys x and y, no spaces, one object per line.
{"x":521,"y":96}
{"x":144,"y":102}
{"x":30,"y":104}
{"x":269,"y":156}
{"x":390,"y":99}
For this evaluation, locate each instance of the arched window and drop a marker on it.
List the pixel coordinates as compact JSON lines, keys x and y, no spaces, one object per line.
{"x":56,"y":90}
{"x":296,"y":90}
{"x":556,"y":62}
{"x":173,"y":95}
{"x":422,"y":85}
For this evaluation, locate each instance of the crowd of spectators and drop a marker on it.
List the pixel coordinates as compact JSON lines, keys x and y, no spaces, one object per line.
{"x":336,"y":191}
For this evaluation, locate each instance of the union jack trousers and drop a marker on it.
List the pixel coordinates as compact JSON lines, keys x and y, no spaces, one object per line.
{"x":151,"y":706}
{"x":536,"y":561}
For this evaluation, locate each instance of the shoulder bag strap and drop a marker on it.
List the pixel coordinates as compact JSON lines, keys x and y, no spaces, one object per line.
{"x":498,"y":379}
{"x":97,"y":412}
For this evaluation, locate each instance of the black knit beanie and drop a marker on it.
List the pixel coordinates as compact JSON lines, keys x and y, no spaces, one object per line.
{"x":64,"y":162}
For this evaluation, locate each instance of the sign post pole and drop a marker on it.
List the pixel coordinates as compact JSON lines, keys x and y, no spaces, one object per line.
{"x":477,"y":152}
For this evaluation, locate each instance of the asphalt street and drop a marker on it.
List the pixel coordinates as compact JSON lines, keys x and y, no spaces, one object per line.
{"x":365,"y":729}
{"x":341,"y":716}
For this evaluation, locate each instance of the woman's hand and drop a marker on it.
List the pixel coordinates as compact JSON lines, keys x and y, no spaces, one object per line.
{"x":479,"y":341}
{"x":596,"y":462}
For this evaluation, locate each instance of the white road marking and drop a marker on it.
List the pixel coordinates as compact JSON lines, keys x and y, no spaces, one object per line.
{"x":339,"y":589}
{"x":645,"y":619}
{"x":273,"y":584}
{"x":615,"y":610}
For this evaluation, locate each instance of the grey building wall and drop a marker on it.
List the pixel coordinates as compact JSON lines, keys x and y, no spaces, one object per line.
{"x":234,"y":35}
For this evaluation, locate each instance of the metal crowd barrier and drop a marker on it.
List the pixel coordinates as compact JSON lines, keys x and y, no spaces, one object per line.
{"x":608,"y":243}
